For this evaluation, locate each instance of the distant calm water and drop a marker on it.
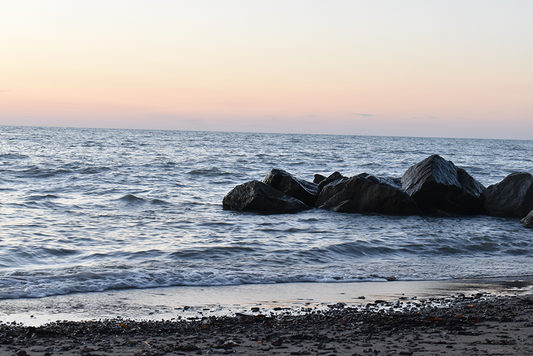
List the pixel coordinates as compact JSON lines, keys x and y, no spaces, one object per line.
{"x":85,"y":210}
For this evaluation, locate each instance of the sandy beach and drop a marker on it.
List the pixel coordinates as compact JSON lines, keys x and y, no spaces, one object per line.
{"x":206,"y":301}
{"x":463,"y":325}
{"x":477,"y":321}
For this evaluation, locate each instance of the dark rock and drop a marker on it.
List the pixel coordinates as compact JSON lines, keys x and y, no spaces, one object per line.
{"x":365,"y":194}
{"x":511,"y":198}
{"x":470,"y":197}
{"x":395,"y":182}
{"x":528,"y":220}
{"x":187,"y":347}
{"x":285,"y":182}
{"x":436,"y":184}
{"x":318,"y":178}
{"x":331,"y":178}
{"x":259,"y":197}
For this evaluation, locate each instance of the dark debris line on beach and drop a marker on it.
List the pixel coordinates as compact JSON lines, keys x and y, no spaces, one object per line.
{"x":349,"y":326}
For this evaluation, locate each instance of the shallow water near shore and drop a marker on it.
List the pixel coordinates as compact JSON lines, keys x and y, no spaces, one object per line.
{"x":95,"y":210}
{"x":173,"y":303}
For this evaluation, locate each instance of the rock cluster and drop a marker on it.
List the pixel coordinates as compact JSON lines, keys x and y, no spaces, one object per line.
{"x":433,"y":186}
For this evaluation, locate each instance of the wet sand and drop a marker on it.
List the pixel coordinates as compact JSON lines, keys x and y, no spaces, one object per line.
{"x":172,"y":302}
{"x":466,"y":323}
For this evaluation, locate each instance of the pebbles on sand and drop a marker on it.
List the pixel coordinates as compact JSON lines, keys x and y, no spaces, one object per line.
{"x":461,"y":325}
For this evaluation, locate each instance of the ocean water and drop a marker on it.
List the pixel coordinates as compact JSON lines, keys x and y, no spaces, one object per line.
{"x":86,"y":210}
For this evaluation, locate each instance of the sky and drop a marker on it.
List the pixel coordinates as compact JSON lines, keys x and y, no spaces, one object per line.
{"x":377,"y":67}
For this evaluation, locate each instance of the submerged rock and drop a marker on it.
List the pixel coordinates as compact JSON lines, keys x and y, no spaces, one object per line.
{"x":366,"y":194}
{"x":285,"y":182}
{"x":511,"y":198}
{"x":436,"y":184}
{"x":259,"y":197}
{"x":528,"y":220}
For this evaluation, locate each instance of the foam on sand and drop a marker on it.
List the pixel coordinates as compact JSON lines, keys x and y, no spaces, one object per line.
{"x":196,"y":302}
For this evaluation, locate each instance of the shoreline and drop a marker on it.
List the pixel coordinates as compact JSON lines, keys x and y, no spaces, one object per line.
{"x":201,"y":301}
{"x":474,"y":324}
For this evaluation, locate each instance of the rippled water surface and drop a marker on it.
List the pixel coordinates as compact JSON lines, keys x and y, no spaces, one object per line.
{"x":93,"y":209}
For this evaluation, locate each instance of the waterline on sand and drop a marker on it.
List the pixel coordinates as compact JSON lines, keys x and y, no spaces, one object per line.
{"x":196,"y":302}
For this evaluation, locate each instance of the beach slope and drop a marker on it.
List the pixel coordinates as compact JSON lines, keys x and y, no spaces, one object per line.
{"x":474,"y":324}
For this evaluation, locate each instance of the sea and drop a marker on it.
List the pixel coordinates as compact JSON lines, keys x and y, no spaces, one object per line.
{"x":91,"y":210}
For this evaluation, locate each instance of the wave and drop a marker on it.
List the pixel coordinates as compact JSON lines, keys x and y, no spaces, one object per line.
{"x":131,"y":199}
{"x":48,"y":282}
{"x":159,"y":202}
{"x":209,"y":172}
{"x":13,"y":156}
{"x":94,"y":170}
{"x":48,"y":172}
{"x":42,"y":197}
{"x":45,"y":285}
{"x":38,"y":172}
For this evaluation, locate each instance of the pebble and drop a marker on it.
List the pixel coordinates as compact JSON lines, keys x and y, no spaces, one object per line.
{"x":445,"y":318}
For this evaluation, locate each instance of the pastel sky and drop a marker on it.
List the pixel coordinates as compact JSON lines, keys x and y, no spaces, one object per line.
{"x":402,"y":68}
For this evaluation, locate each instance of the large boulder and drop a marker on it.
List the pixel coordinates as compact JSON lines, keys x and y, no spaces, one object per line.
{"x":528,"y":220}
{"x":511,"y":198}
{"x":331,"y":178}
{"x":438,"y":185}
{"x":285,"y":182}
{"x":470,"y":197}
{"x":365,"y":194}
{"x":259,"y":197}
{"x":395,"y":182}
{"x":318,"y":178}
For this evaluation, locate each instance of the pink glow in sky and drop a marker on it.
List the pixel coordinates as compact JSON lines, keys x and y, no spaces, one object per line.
{"x":405,"y":68}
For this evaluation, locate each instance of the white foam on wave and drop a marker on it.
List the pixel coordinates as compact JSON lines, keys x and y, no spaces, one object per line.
{"x":50,"y":282}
